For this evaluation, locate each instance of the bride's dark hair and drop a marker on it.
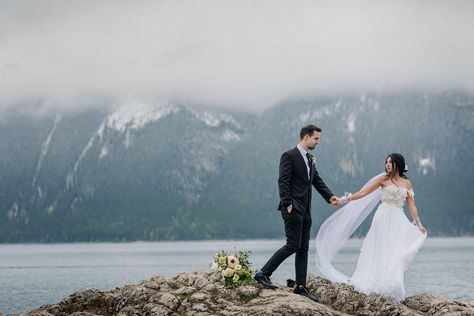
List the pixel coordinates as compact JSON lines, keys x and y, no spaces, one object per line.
{"x":398,"y":166}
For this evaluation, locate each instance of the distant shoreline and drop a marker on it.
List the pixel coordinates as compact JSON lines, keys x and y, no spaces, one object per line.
{"x":202,"y":240}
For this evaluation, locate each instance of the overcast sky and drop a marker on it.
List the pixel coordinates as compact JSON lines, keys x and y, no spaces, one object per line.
{"x":234,"y":53}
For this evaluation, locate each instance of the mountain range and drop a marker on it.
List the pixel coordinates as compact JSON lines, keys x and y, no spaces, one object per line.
{"x":153,"y":169}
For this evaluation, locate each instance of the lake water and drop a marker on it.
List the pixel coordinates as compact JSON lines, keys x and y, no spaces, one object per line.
{"x":35,"y":274}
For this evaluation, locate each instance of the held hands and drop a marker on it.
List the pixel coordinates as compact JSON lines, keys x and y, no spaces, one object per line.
{"x":335,"y":201}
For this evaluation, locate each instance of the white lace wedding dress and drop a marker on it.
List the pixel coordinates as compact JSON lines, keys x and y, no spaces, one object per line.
{"x":391,"y":242}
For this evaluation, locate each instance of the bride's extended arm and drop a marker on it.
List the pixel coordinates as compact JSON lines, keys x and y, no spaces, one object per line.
{"x":414,"y":212}
{"x":360,"y":194}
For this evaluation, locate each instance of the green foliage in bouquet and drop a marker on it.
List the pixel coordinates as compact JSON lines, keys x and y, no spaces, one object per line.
{"x":234,"y":268}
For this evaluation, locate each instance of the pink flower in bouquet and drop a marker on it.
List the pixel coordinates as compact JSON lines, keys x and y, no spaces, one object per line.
{"x":232,"y":261}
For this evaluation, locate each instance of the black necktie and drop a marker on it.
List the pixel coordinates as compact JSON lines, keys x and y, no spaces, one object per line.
{"x":309,"y":163}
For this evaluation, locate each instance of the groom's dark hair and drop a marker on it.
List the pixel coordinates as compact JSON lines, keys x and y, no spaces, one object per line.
{"x":309,"y":130}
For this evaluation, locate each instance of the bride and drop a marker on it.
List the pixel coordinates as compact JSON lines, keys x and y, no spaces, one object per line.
{"x":391,"y":242}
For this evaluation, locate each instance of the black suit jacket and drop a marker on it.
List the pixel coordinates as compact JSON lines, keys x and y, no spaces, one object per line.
{"x":294,"y":185}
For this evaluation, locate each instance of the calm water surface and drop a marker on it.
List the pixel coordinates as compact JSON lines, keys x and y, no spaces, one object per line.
{"x":35,"y":274}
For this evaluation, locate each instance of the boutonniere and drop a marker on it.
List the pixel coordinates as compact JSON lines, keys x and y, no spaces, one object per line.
{"x":313,"y":160}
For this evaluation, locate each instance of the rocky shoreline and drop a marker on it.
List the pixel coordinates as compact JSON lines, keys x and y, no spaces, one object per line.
{"x":201,"y":293}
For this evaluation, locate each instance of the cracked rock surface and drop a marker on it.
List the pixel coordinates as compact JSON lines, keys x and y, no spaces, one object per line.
{"x":201,"y":293}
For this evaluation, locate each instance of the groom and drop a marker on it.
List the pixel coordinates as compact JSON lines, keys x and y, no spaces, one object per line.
{"x":297,"y":174}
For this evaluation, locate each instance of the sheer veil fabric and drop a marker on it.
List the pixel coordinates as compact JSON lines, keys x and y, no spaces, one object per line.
{"x":335,"y":231}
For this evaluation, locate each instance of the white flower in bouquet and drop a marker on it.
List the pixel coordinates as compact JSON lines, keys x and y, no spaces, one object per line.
{"x":214,"y":266}
{"x":235,"y":278}
{"x":228,"y":272}
{"x":232,"y":261}
{"x":222,"y":260}
{"x":238,"y":267}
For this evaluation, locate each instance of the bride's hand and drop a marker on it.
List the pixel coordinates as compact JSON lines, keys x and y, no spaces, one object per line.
{"x":346,"y":198}
{"x":422,"y":229}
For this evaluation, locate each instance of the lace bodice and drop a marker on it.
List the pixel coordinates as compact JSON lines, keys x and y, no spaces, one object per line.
{"x":395,"y":195}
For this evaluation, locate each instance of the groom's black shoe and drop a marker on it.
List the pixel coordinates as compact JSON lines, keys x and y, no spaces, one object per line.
{"x":302,"y":290}
{"x":264,"y":280}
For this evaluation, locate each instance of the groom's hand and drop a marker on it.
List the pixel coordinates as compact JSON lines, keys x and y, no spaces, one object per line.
{"x":334,"y":200}
{"x":289,"y":208}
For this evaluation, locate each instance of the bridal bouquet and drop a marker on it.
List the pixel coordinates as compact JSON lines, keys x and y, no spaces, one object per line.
{"x":234,"y":268}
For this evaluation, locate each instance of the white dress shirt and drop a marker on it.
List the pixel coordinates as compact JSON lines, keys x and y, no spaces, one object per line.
{"x":303,"y":153}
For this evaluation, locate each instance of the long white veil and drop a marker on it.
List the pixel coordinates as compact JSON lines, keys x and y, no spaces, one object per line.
{"x":338,"y":227}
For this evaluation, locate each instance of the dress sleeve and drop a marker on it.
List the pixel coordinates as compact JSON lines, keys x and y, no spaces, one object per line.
{"x":411,"y":193}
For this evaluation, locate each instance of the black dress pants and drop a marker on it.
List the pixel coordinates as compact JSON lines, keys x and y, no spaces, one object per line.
{"x":297,"y":230}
